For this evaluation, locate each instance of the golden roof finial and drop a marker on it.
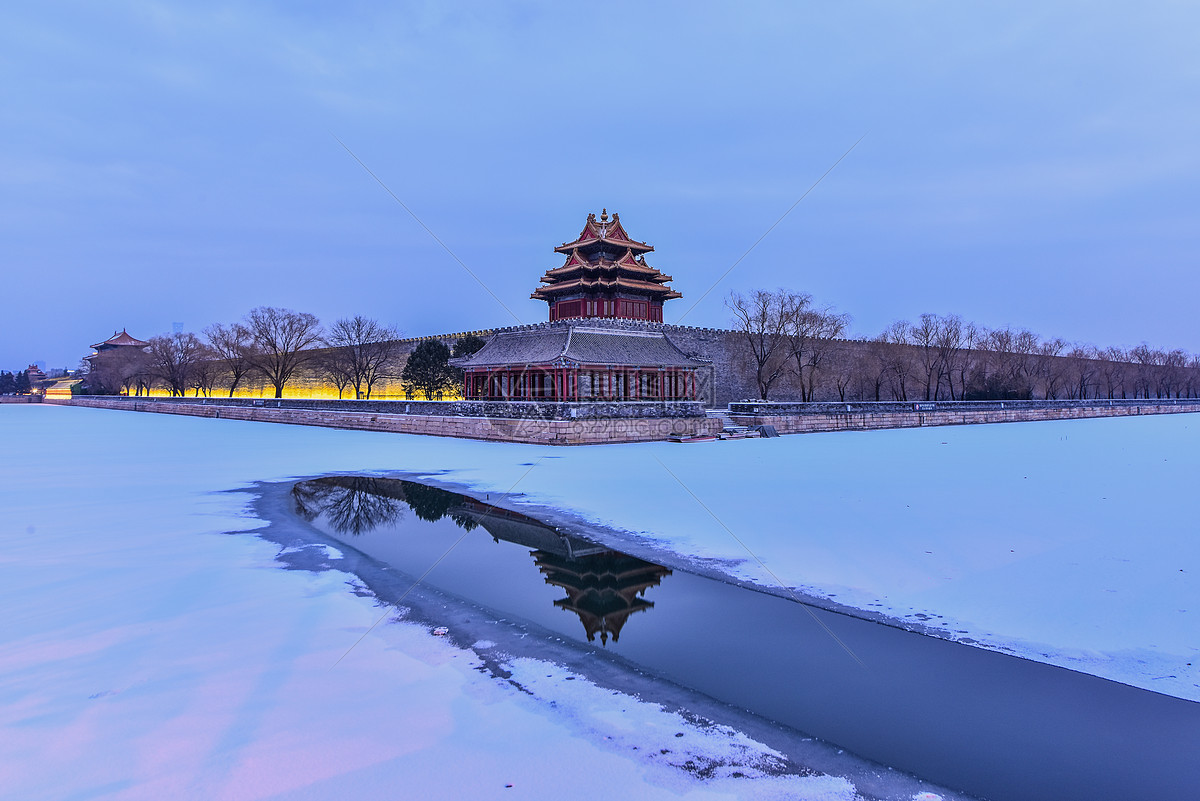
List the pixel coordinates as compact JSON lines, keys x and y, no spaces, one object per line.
{"x":603,"y":215}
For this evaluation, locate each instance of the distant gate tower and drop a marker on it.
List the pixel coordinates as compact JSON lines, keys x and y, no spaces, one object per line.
{"x":605,"y":275}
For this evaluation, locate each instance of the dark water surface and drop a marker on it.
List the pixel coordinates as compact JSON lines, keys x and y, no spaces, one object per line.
{"x":995,"y":726}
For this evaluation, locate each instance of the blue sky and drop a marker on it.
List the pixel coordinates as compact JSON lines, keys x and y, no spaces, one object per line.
{"x":1024,"y":164}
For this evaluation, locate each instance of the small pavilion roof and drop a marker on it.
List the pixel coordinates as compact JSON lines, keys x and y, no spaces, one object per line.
{"x":604,"y":230}
{"x":119,"y":339}
{"x":580,"y":343}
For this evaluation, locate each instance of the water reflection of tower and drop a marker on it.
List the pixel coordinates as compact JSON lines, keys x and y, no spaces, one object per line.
{"x":604,"y":589}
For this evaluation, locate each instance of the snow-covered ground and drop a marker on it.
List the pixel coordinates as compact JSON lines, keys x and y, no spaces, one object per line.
{"x":146,"y":654}
{"x":141,"y":658}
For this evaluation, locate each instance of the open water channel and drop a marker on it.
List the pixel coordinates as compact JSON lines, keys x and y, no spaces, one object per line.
{"x":992,"y":725}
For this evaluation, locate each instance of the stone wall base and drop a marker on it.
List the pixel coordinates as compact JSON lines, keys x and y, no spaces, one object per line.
{"x":866,"y":421}
{"x":546,"y":432}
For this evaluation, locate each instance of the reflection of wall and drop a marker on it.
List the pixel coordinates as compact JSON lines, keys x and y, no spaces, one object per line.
{"x":603,"y":589}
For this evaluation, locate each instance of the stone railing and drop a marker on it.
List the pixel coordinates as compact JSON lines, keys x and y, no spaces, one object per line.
{"x":512,"y":410}
{"x":799,"y":418}
{"x":875,"y":407}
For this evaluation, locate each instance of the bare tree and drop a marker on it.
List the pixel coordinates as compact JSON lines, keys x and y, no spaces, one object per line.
{"x":965,"y":361}
{"x":875,"y":368}
{"x":1025,"y":348}
{"x":763,"y":318}
{"x":1144,"y":358}
{"x":283,"y":341}
{"x":1082,"y":371}
{"x":1174,"y":365}
{"x":365,"y":349}
{"x":847,"y":373}
{"x":899,"y":365}
{"x":232,"y":347}
{"x":1051,"y":367}
{"x":173,"y":359}
{"x":810,"y":333}
{"x":206,"y":371}
{"x":1113,"y":370}
{"x":1012,"y":364}
{"x":925,"y":334}
{"x":1193,"y":377}
{"x":335,"y":365}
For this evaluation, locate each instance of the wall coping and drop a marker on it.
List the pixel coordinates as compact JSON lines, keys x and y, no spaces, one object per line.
{"x":510,"y":410}
{"x":769,"y":408}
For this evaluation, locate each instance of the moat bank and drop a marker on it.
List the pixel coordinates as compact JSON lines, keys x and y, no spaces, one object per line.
{"x":601,"y":423}
{"x":528,"y":422}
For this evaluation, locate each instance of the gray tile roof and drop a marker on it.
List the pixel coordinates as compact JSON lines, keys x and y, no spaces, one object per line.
{"x":598,"y":346}
{"x":581,"y":343}
{"x":537,"y":346}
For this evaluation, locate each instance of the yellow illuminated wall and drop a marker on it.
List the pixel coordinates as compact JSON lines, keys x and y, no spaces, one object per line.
{"x":306,"y":387}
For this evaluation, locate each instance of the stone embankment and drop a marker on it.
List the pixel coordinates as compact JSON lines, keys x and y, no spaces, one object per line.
{"x":598,"y":423}
{"x":803,"y":418}
{"x":547,"y":424}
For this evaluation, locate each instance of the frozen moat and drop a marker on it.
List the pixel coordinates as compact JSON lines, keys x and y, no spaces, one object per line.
{"x":992,"y":725}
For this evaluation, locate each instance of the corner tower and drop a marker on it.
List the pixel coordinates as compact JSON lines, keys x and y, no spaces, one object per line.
{"x":605,"y":275}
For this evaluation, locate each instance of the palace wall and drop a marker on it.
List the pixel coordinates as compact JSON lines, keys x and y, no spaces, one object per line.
{"x":853,"y":369}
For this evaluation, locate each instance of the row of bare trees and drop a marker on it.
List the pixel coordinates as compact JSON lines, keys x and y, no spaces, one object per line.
{"x":355,"y":354}
{"x":786,"y":332}
{"x":797,"y":348}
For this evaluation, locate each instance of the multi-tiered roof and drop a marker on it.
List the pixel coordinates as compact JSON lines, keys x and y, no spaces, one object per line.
{"x":604,"y":589}
{"x":604,"y":341}
{"x":605,"y":275}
